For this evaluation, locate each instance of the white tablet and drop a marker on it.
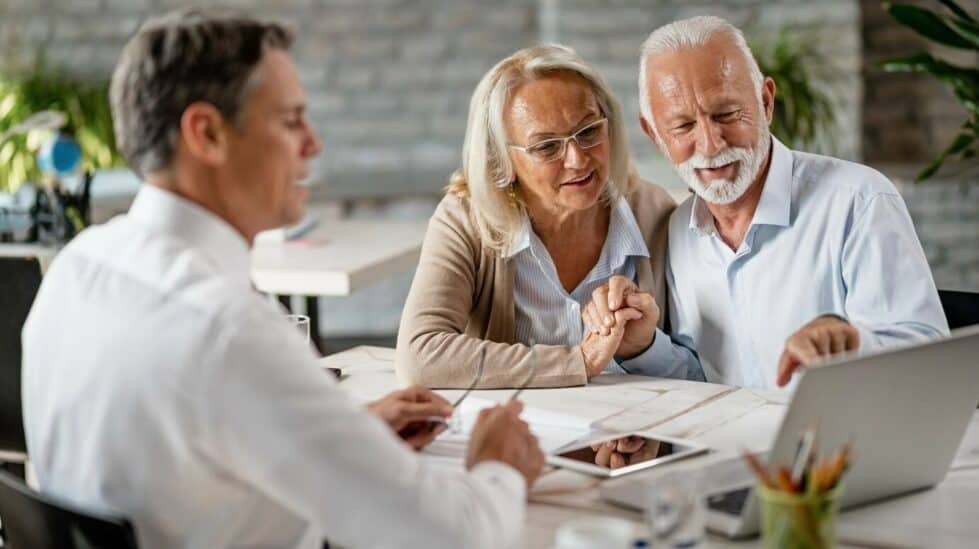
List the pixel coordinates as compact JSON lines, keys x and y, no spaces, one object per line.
{"x":632,"y":452}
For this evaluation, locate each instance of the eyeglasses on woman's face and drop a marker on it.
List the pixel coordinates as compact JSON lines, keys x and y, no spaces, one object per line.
{"x":554,"y":148}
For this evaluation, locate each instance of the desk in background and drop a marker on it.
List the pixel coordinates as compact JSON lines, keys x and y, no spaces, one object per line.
{"x":336,"y":258}
{"x":727,"y":419}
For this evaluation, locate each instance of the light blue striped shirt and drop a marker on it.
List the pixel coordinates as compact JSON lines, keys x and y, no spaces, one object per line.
{"x":545,"y":313}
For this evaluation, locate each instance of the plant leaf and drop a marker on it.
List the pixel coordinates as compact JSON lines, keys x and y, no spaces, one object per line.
{"x":957,"y":10}
{"x":928,"y":24}
{"x":963,"y":80}
{"x":966,"y":29}
{"x":961,"y":143}
{"x":40,"y":88}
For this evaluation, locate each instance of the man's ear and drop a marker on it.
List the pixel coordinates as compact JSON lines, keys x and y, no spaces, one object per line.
{"x":204,"y":132}
{"x":768,"y":97}
{"x":647,"y":128}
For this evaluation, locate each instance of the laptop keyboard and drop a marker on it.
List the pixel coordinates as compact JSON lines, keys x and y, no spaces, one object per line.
{"x":731,"y":502}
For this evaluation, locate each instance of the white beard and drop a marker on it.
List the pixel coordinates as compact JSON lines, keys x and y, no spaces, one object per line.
{"x":725,"y":191}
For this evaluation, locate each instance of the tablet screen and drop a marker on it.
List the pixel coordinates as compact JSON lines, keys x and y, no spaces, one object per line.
{"x":625,"y":451}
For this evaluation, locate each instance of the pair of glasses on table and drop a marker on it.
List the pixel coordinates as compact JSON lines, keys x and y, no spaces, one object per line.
{"x":454,"y":421}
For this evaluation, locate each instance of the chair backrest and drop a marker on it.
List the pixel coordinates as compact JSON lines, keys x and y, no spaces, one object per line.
{"x":961,"y":308}
{"x":20,"y":278}
{"x":33,"y":521}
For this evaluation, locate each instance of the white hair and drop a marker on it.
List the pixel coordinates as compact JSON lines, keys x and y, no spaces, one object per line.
{"x":685,"y":34}
{"x":487,"y":171}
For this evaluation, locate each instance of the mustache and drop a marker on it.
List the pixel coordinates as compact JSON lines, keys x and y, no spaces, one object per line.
{"x":723,"y":158}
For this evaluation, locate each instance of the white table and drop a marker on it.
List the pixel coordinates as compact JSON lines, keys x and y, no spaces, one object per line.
{"x":44,"y":254}
{"x":337,"y":257}
{"x":725,"y":418}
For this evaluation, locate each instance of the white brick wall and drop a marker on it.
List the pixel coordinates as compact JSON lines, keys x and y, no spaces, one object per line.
{"x":389,"y":83}
{"x":946,"y":216}
{"x":388,"y":79}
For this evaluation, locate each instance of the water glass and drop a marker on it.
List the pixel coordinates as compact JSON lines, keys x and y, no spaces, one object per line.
{"x":676,"y":508}
{"x":301,"y":322}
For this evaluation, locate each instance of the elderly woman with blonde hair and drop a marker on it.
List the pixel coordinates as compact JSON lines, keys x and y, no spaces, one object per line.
{"x":544,"y":210}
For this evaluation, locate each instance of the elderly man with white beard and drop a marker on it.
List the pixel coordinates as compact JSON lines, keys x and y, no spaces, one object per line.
{"x":780,"y":258}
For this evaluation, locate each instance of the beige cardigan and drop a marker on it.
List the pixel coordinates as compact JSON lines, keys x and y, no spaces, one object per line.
{"x":461,"y":300}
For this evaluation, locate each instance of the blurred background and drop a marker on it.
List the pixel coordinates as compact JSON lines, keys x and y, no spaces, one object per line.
{"x":389,"y":82}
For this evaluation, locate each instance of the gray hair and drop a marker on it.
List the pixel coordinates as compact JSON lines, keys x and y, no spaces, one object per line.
{"x":486,"y":168}
{"x":691,"y":33}
{"x":178,"y":59}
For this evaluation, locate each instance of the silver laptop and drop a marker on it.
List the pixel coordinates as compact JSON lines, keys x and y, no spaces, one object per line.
{"x":905,"y":411}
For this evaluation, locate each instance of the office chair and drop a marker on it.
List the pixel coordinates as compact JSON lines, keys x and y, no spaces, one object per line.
{"x":961,"y":308}
{"x":21,"y":278}
{"x":35,"y":521}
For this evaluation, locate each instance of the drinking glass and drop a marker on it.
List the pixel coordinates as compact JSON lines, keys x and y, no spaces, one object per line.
{"x":676,"y":508}
{"x":301,"y":322}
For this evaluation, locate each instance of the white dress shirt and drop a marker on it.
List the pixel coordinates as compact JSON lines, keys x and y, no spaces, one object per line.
{"x":546,"y":314}
{"x":159,"y":386}
{"x":828,"y":237}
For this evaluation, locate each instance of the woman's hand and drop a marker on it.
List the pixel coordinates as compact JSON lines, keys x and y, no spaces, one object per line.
{"x":620,"y":293}
{"x":598,"y":349}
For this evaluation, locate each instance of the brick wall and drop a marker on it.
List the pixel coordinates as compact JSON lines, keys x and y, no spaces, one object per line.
{"x":609,"y":34}
{"x":907,"y":120}
{"x":389,"y":83}
{"x":908,"y":117}
{"x":388,"y":80}
{"x":946,"y":217}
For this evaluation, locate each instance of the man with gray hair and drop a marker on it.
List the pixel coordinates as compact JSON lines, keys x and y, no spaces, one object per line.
{"x":158,"y":385}
{"x":781,"y":257}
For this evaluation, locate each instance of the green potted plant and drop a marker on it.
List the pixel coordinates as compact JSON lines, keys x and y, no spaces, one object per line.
{"x":804,"y":112}
{"x":85,"y":104}
{"x":956,"y":28}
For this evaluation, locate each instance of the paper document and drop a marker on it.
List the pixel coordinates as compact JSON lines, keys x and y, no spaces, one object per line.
{"x":553,"y":430}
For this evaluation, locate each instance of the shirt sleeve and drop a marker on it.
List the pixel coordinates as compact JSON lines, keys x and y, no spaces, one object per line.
{"x":890,"y":294}
{"x":274,"y":419}
{"x":667,"y":356}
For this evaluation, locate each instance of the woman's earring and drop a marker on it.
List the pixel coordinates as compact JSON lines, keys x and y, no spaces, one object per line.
{"x":512,"y":193}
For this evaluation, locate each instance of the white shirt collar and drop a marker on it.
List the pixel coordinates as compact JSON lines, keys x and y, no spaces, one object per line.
{"x":520,"y":240}
{"x":200,"y":228}
{"x":624,"y":236}
{"x":775,"y":204}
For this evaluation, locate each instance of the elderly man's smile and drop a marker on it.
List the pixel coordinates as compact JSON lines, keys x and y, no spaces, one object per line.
{"x":727,"y":171}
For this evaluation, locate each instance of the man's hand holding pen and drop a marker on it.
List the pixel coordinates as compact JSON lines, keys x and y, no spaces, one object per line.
{"x":409,"y":411}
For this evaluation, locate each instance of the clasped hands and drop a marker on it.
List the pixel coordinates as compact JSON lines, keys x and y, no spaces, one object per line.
{"x":624,"y":451}
{"x":620,"y":321}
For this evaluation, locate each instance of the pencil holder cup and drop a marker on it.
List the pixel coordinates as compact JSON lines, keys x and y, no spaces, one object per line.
{"x":798,"y":521}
